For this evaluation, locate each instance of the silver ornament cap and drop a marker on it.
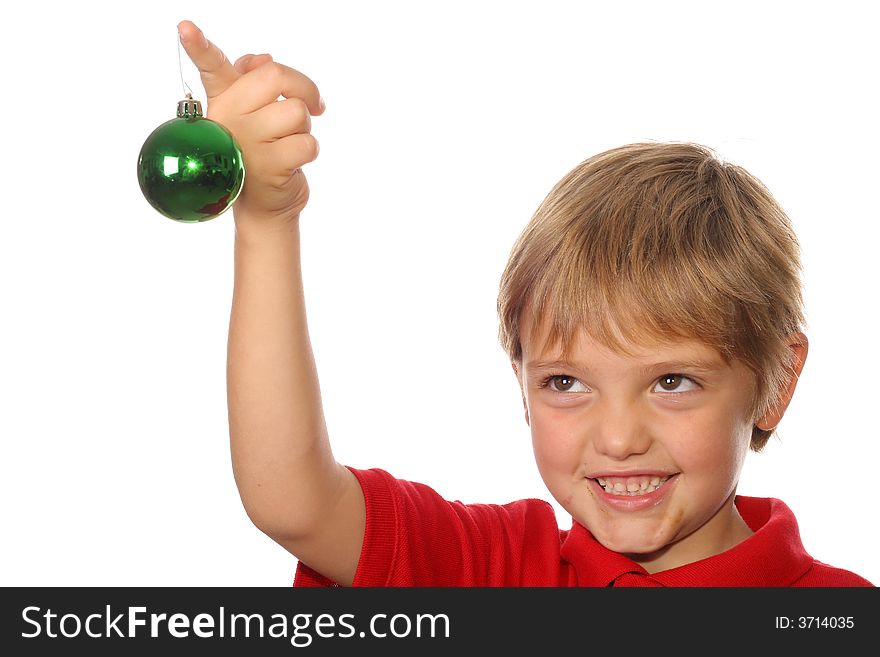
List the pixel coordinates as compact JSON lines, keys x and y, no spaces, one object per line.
{"x":189,"y":108}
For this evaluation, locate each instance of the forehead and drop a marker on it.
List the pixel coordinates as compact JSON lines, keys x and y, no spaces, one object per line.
{"x":645,"y":350}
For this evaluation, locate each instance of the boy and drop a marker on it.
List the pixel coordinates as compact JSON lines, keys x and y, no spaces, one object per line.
{"x":652,"y":313}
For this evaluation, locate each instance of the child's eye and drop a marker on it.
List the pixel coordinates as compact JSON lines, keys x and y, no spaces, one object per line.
{"x":563,"y":383}
{"x":675,"y":383}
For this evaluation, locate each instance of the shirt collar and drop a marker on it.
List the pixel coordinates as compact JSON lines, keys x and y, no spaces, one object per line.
{"x":772,"y":556}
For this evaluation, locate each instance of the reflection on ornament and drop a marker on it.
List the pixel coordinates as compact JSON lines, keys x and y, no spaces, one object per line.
{"x":190,"y":168}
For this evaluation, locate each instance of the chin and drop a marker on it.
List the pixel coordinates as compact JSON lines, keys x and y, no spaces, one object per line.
{"x":632,"y":546}
{"x":632,"y":537}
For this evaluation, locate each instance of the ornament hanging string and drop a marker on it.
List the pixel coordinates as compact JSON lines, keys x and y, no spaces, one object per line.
{"x":186,"y":90}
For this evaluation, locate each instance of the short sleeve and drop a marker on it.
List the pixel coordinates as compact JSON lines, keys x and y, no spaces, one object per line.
{"x":414,"y":537}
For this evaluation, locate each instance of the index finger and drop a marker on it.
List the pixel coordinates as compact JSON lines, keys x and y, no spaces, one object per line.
{"x":216,"y":70}
{"x":265,"y":83}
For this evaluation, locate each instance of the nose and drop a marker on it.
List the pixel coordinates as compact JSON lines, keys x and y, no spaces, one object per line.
{"x":620,"y":430}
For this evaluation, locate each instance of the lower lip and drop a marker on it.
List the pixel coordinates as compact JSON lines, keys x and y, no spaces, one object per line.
{"x":633,"y":502}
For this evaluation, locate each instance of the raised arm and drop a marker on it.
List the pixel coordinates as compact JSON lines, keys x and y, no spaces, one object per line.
{"x":290,"y":484}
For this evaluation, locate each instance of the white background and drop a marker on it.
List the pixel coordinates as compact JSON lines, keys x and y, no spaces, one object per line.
{"x":446,"y":125}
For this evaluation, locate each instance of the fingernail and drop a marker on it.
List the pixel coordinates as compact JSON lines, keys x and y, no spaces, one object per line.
{"x":184,"y":40}
{"x":321,"y":103}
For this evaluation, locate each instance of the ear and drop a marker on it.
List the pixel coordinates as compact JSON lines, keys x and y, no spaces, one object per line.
{"x":799,"y":345}
{"x":521,"y":390}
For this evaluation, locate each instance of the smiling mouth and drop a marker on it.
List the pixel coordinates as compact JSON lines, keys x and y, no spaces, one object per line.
{"x":631,"y":486}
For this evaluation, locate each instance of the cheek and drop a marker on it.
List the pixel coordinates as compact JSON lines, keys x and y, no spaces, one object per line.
{"x":714,"y":445}
{"x":555,"y":442}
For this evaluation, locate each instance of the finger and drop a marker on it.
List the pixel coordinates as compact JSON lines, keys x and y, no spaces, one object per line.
{"x":281,"y":119}
{"x":264,"y":84}
{"x":215,"y":69}
{"x":247,"y":63}
{"x":294,"y":151}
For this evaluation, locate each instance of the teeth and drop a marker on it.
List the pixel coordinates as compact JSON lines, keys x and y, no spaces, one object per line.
{"x":632,"y":486}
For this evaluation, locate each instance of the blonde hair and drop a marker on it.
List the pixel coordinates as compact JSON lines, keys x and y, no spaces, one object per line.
{"x":658,"y":242}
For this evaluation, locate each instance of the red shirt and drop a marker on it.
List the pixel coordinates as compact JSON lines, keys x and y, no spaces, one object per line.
{"x":414,"y":537}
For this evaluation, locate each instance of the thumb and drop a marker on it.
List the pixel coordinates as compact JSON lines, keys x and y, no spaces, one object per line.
{"x":216,"y":71}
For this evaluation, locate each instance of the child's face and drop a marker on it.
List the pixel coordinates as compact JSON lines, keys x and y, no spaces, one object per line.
{"x":672,"y":412}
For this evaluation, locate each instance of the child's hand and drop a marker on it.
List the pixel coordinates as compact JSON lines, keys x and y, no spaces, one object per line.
{"x":273,"y":134}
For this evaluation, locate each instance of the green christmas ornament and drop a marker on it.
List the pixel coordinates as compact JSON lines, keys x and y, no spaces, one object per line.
{"x":190,"y":168}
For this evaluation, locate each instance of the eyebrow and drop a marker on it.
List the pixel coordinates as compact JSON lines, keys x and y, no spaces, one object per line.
{"x":685,"y":364}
